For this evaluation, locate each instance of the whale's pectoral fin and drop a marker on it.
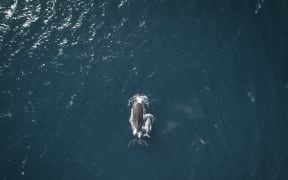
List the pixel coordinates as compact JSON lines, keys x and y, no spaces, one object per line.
{"x":131,"y":101}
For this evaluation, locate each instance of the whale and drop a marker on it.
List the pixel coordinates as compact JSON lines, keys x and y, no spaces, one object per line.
{"x":140,"y":121}
{"x":136,"y":118}
{"x":148,"y":120}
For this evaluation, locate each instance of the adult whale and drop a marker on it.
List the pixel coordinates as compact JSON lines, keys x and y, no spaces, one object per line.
{"x":136,"y":118}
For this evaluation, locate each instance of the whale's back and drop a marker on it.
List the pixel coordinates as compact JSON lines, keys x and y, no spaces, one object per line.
{"x":137,"y":115}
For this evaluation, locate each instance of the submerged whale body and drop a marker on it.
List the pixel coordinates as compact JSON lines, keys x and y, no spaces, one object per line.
{"x":141,"y":122}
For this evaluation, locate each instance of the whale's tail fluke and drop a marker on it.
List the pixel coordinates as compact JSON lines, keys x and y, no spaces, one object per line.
{"x":138,"y":141}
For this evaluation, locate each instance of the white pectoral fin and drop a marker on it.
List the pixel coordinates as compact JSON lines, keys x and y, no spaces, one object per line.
{"x":134,"y":131}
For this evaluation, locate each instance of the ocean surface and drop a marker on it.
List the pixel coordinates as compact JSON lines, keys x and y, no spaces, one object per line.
{"x":216,"y":73}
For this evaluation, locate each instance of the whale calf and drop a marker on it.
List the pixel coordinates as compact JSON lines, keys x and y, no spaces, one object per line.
{"x":148,"y":120}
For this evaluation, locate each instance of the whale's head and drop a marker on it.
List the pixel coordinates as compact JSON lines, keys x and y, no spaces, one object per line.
{"x":139,"y":99}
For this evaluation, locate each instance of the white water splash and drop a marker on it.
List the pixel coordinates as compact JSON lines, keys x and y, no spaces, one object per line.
{"x":79,"y":20}
{"x":122,"y":3}
{"x":258,"y":6}
{"x":251,"y":96}
{"x":66,"y":22}
{"x":9,"y":13}
{"x":30,"y":14}
{"x":50,"y":11}
{"x":42,"y":38}
{"x":71,"y":102}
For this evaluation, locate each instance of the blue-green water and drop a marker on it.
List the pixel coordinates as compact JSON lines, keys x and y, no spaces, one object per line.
{"x":215,"y":71}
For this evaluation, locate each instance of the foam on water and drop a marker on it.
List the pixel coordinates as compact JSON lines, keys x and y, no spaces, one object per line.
{"x":9,"y":13}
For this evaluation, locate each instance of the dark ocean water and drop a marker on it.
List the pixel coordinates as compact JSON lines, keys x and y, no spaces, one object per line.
{"x":215,"y":71}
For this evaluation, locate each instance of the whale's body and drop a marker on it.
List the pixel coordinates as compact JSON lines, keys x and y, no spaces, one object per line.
{"x":148,"y":120}
{"x":136,"y":118}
